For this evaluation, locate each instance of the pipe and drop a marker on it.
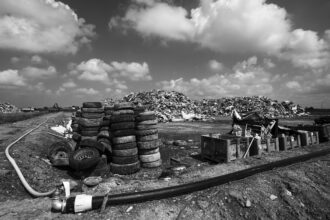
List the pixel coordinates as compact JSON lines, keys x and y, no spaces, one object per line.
{"x":18,"y":171}
{"x":95,"y":202}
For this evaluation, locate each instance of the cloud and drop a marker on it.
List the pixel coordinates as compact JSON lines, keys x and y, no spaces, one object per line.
{"x":245,"y":78}
{"x":36,"y":59}
{"x":42,"y":26}
{"x":86,"y":91}
{"x":37,"y":73}
{"x":215,"y":66}
{"x":98,"y":70}
{"x":229,"y":26}
{"x":14,"y":60}
{"x":69,"y":84}
{"x":133,"y":71}
{"x":11,"y":78}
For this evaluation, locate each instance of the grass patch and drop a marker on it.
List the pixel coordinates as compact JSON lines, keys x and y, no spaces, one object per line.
{"x":19,"y":116}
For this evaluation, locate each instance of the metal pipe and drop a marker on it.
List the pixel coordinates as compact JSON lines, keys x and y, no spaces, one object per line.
{"x":156,"y":194}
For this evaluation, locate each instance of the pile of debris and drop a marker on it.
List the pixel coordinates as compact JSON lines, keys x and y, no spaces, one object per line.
{"x":8,"y":108}
{"x":175,"y":106}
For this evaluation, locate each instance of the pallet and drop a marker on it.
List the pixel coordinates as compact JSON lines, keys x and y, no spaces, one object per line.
{"x":223,"y":148}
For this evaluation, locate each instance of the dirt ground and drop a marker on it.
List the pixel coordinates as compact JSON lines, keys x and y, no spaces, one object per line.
{"x":300,"y":191}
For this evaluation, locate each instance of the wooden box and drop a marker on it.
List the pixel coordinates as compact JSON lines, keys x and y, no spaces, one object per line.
{"x":223,"y":148}
{"x":309,"y":137}
{"x":266,"y":145}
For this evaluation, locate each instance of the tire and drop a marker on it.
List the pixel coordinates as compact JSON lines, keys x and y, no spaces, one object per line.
{"x":122,"y":118}
{"x":122,"y":140}
{"x":103,"y":134}
{"x":92,"y":110}
{"x":141,"y":118}
{"x":108,"y":112}
{"x":125,"y":160}
{"x":154,"y":164}
{"x":124,"y":146}
{"x":149,"y":157}
{"x":123,"y":105}
{"x":147,"y":113}
{"x":76,"y":137}
{"x":105,"y":140}
{"x":90,"y":122}
{"x":92,"y":105}
{"x":123,"y":112}
{"x":105,"y":123}
{"x":104,"y":128}
{"x":90,"y":115}
{"x":107,"y":118}
{"x":146,"y":127}
{"x":59,"y":153}
{"x":140,"y":133}
{"x":147,"y":152}
{"x":125,"y":132}
{"x":89,"y":133}
{"x":84,"y":158}
{"x":106,"y":146}
{"x":89,"y":129}
{"x":147,"y":145}
{"x":87,"y":137}
{"x":148,"y":122}
{"x":148,"y":137}
{"x":92,"y":144}
{"x":125,"y":169}
{"x":122,"y":125}
{"x":139,"y":109}
{"x":125,"y":153}
{"x":109,"y":107}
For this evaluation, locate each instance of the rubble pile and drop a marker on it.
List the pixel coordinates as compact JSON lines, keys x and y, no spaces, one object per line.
{"x":7,"y":108}
{"x":175,"y":106}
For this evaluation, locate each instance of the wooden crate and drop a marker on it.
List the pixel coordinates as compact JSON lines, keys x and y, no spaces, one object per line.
{"x":223,"y":148}
{"x":289,"y":142}
{"x":266,"y":145}
{"x":309,"y":137}
{"x":323,"y":130}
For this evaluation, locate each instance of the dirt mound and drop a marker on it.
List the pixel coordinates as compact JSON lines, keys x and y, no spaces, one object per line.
{"x":6,"y":107}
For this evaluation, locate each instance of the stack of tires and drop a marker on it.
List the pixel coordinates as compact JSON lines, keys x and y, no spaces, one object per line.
{"x":104,"y":136}
{"x":124,"y":150}
{"x":92,"y":114}
{"x":76,"y":127}
{"x":147,"y":140}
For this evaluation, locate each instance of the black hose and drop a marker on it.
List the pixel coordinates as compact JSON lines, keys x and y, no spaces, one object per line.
{"x":167,"y":192}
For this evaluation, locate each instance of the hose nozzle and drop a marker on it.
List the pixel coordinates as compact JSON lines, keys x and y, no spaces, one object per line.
{"x":58,"y":205}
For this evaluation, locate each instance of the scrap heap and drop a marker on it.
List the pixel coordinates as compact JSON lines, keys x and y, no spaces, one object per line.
{"x":7,"y":108}
{"x":175,"y":106}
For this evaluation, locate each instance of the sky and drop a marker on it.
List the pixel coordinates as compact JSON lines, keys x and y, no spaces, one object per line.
{"x":72,"y":51}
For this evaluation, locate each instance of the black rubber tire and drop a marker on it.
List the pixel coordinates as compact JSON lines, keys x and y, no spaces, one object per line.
{"x":107,"y":118}
{"x":139,"y":109}
{"x":92,"y":110}
{"x":147,"y":113}
{"x":89,"y":133}
{"x":125,"y":153}
{"x":109,"y":107}
{"x":125,"y":132}
{"x":88,"y":137}
{"x":122,"y":125}
{"x":84,"y":158}
{"x":59,"y":150}
{"x":148,"y":145}
{"x":122,"y":118}
{"x":90,"y":122}
{"x":154,"y":164}
{"x":148,"y":122}
{"x":89,"y":128}
{"x":92,"y":144}
{"x":125,"y":146}
{"x":146,"y":127}
{"x":105,"y":123}
{"x":141,"y":118}
{"x":148,"y":137}
{"x":125,"y":169}
{"x":105,"y":140}
{"x":140,"y":133}
{"x":90,"y":115}
{"x":105,"y":128}
{"x":124,"y":139}
{"x":123,"y":112}
{"x":123,"y":105}
{"x":108,"y":112}
{"x":147,"y":158}
{"x":147,"y":152}
{"x":125,"y":160}
{"x":92,"y":105}
{"x":76,"y":137}
{"x":103,"y":134}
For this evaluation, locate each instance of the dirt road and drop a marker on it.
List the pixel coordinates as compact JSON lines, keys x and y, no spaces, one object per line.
{"x":300,"y":191}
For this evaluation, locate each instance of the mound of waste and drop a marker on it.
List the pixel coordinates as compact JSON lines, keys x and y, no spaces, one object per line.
{"x":7,"y":108}
{"x":175,"y":106}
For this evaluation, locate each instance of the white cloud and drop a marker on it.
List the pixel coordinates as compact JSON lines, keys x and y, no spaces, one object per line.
{"x":36,"y":59}
{"x":11,"y":78}
{"x":14,"y":60}
{"x":35,"y":72}
{"x":69,"y":84}
{"x":42,"y":26}
{"x":97,"y":70}
{"x":86,"y":91}
{"x":133,"y":71}
{"x":246,"y":78}
{"x":215,"y":66}
{"x":269,"y":63}
{"x":230,"y":26}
